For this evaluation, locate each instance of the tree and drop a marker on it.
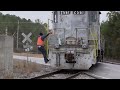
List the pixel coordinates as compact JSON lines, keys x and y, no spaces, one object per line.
{"x":25,"y":26}
{"x":110,"y":29}
{"x":38,"y":21}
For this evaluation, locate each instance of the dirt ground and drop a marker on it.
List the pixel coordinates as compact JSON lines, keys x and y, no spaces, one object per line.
{"x":26,"y":70}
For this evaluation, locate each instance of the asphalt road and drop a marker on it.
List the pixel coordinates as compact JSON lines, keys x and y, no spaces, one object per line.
{"x":106,"y":71}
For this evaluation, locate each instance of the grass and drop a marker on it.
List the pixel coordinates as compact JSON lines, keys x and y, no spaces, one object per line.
{"x":25,"y":68}
{"x":22,"y":67}
{"x":28,"y":67}
{"x":8,"y":76}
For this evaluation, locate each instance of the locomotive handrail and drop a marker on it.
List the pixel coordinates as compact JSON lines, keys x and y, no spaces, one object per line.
{"x":64,"y":32}
{"x":95,"y":43}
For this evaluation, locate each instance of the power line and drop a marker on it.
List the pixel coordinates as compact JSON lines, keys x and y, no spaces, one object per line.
{"x":20,"y":22}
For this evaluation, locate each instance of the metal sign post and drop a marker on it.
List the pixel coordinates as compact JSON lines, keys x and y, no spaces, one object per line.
{"x":27,"y":50}
{"x":27,"y":40}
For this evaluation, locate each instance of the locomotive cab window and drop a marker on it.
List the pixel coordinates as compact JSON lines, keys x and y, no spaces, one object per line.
{"x":55,"y":16}
{"x":78,"y":12}
{"x":93,"y":16}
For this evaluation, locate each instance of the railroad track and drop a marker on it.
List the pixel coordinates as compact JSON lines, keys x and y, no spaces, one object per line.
{"x":46,"y":75}
{"x":64,"y":74}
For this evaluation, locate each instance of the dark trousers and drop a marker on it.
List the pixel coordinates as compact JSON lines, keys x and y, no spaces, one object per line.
{"x":43,"y":51}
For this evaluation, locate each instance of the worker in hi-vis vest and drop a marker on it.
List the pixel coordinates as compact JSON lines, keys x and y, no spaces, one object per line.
{"x":40,"y":45}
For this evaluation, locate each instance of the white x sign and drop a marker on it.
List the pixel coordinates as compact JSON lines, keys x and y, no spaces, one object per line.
{"x":27,"y":37}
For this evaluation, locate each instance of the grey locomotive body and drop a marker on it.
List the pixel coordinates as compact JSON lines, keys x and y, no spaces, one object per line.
{"x":75,"y":43}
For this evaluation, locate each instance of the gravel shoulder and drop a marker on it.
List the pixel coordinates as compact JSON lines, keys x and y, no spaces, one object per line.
{"x":83,"y":76}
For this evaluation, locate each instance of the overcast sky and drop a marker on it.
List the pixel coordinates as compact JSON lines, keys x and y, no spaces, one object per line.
{"x":42,"y":15}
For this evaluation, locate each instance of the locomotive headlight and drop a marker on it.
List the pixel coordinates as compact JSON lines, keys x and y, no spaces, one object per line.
{"x":72,"y":52}
{"x":84,"y":46}
{"x":56,"y":46}
{"x":83,"y":41}
{"x":59,"y":41}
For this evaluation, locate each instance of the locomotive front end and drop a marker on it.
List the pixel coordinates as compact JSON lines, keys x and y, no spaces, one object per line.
{"x":69,"y":45}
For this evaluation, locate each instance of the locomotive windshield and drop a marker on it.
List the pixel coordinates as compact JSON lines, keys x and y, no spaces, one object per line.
{"x":93,"y":16}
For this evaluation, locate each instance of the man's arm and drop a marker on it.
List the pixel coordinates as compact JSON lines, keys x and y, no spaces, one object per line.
{"x":44,"y":36}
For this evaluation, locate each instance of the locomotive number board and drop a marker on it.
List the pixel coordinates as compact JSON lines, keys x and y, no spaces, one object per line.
{"x":74,"y":12}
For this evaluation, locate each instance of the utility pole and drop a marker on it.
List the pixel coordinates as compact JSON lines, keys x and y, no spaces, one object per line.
{"x":48,"y":24}
{"x":47,"y":32}
{"x":47,"y":39}
{"x":17,"y":34}
{"x":6,"y":31}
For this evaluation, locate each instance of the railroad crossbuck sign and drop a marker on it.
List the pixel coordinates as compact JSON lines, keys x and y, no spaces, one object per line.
{"x":27,"y":37}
